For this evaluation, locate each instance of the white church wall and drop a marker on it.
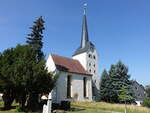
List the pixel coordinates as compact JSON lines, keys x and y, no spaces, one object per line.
{"x":89,"y":61}
{"x":76,"y":88}
{"x":77,"y":83}
{"x":92,"y":66}
{"x":93,"y":61}
{"x":59,"y":93}
{"x":82,"y":59}
{"x":50,"y":64}
{"x":61,"y":88}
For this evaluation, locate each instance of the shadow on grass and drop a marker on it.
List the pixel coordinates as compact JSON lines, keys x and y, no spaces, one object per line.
{"x":69,"y":110}
{"x":77,"y":109}
{"x":4,"y":109}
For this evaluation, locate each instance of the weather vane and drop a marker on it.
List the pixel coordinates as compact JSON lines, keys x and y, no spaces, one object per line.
{"x":85,"y":6}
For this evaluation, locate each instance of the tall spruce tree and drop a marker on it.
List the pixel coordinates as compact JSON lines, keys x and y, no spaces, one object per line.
{"x":115,"y":87}
{"x":120,"y":82}
{"x":34,"y":39}
{"x":104,"y":87}
{"x":113,"y":83}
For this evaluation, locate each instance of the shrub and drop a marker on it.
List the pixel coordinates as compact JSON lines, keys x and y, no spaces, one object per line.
{"x":146,"y":102}
{"x":18,"y":109}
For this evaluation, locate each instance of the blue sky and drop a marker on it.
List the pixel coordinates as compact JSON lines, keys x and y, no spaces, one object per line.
{"x":120,"y":29}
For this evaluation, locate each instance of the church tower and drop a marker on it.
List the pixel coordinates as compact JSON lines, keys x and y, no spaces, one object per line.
{"x":87,"y":55}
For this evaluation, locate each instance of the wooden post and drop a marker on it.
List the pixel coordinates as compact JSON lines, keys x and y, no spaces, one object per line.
{"x":125,"y":108}
{"x":49,"y":103}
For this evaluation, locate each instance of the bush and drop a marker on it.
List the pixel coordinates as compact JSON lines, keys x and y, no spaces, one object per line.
{"x":18,"y":109}
{"x":146,"y":102}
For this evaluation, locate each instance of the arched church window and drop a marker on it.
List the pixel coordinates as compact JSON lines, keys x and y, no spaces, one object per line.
{"x":94,"y":57}
{"x":94,"y":71}
{"x":90,"y":70}
{"x":85,"y":87}
{"x":89,"y":64}
{"x":94,"y":65}
{"x":68,"y":86}
{"x":89,"y":55}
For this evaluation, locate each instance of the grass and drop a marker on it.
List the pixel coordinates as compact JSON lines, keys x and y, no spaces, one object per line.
{"x":108,"y":108}
{"x":13,"y":110}
{"x":95,"y":107}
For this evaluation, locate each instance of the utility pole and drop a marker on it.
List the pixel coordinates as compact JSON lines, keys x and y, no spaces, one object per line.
{"x":125,"y":111}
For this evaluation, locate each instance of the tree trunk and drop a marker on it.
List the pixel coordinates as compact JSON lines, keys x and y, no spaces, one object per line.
{"x":33,"y":103}
{"x":8,"y":98}
{"x":22,"y":101}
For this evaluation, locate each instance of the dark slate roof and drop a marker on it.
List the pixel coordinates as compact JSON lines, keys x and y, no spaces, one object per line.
{"x":69,"y":65}
{"x":84,"y":35}
{"x":88,"y":46}
{"x":140,"y":85}
{"x":139,"y":91}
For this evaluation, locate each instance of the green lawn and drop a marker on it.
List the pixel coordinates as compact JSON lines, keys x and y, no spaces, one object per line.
{"x":98,"y":107}
{"x":102,"y":107}
{"x":13,"y":110}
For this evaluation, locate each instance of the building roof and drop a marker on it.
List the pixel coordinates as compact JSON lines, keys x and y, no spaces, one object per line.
{"x":85,"y":45}
{"x":140,"y":85}
{"x":69,"y":65}
{"x":139,"y":91}
{"x":88,"y":46}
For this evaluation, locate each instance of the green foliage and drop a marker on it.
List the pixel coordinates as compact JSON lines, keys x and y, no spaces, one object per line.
{"x":37,"y":72}
{"x":18,"y":109}
{"x":146,"y":102}
{"x":35,"y":38}
{"x":116,"y":86}
{"x":23,"y":73}
{"x":6,"y":77}
{"x":125,"y":95}
{"x":113,"y":91}
{"x":148,"y":90}
{"x":104,"y":87}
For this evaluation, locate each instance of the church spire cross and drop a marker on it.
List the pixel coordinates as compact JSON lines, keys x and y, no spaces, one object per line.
{"x":85,"y":45}
{"x":85,"y":6}
{"x":84,"y":36}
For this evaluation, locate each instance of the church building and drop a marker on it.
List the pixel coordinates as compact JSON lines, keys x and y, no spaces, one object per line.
{"x":78,"y":79}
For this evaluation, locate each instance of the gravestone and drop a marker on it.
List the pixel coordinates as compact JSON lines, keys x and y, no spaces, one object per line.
{"x":47,"y":108}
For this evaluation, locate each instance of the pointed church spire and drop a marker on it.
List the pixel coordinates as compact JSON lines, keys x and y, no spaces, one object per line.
{"x":85,"y":45}
{"x":84,"y":35}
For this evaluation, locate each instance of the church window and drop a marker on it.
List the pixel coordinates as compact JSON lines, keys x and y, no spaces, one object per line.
{"x":84,"y":87}
{"x":89,"y":64}
{"x":90,"y":70}
{"x":94,"y":71}
{"x":136,"y":88}
{"x":94,"y":57}
{"x":89,"y":55}
{"x":68,"y":86}
{"x":94,"y":65}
